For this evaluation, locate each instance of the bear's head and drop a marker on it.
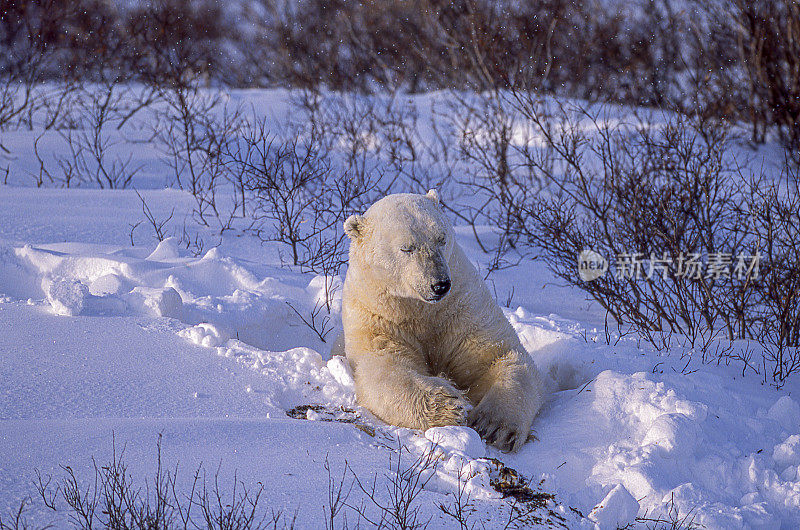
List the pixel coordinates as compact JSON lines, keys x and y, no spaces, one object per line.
{"x":404,"y":243}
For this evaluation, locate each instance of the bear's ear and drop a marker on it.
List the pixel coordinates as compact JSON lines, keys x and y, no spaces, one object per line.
{"x":433,"y":195}
{"x":354,"y":227}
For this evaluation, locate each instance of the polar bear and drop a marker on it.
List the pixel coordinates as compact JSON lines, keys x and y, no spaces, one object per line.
{"x":427,"y":343}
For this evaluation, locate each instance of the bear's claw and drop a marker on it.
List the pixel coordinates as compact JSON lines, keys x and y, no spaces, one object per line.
{"x":495,"y":432}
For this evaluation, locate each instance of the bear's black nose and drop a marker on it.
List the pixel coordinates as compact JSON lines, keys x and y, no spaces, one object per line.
{"x":440,"y":288}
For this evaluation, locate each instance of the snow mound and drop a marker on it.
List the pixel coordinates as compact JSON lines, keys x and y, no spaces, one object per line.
{"x":675,"y":433}
{"x":66,"y":297}
{"x":785,"y":411}
{"x":617,"y":510}
{"x":16,"y":282}
{"x":204,"y":334}
{"x":160,"y":302}
{"x":108,"y":284}
{"x":166,"y":250}
{"x":787,"y":456}
{"x":214,"y":289}
{"x":450,"y":461}
{"x":455,"y":438}
{"x":341,"y":371}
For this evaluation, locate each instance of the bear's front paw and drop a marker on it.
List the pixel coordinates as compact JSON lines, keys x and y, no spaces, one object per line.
{"x":442,"y":404}
{"x":504,"y":435}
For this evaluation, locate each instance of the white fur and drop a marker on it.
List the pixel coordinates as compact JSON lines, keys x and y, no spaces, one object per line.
{"x":422,"y":363}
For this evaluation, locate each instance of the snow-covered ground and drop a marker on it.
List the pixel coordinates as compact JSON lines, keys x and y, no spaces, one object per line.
{"x":102,"y":339}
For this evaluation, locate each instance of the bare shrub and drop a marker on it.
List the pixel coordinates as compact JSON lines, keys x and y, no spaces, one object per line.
{"x":15,"y":99}
{"x":776,"y":211}
{"x":26,"y":31}
{"x":43,"y":175}
{"x":473,"y":152}
{"x":397,"y":503}
{"x":768,"y":33}
{"x":372,"y":142}
{"x":722,"y":57}
{"x":158,"y":225}
{"x":177,"y":43}
{"x":296,"y":198}
{"x":84,"y":117}
{"x":672,"y":520}
{"x":569,"y":47}
{"x":493,"y":147}
{"x":462,"y":507}
{"x":320,"y":326}
{"x":58,"y":106}
{"x":310,"y":43}
{"x":744,"y":64}
{"x":633,"y":190}
{"x":18,"y":519}
{"x":69,"y":42}
{"x":177,"y":39}
{"x":91,"y":158}
{"x":374,"y":137}
{"x":194,"y":131}
{"x":491,"y":45}
{"x":287,"y":180}
{"x":114,"y":500}
{"x":338,"y":494}
{"x":702,"y":252}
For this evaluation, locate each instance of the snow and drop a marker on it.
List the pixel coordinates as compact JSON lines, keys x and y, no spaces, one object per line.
{"x":107,"y":331}
{"x":462,"y":439}
{"x":785,"y":411}
{"x":617,"y":510}
{"x":341,"y":372}
{"x":787,"y":456}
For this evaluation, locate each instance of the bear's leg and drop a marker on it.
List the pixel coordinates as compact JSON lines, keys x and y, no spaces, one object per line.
{"x":402,"y":394}
{"x":512,"y":396}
